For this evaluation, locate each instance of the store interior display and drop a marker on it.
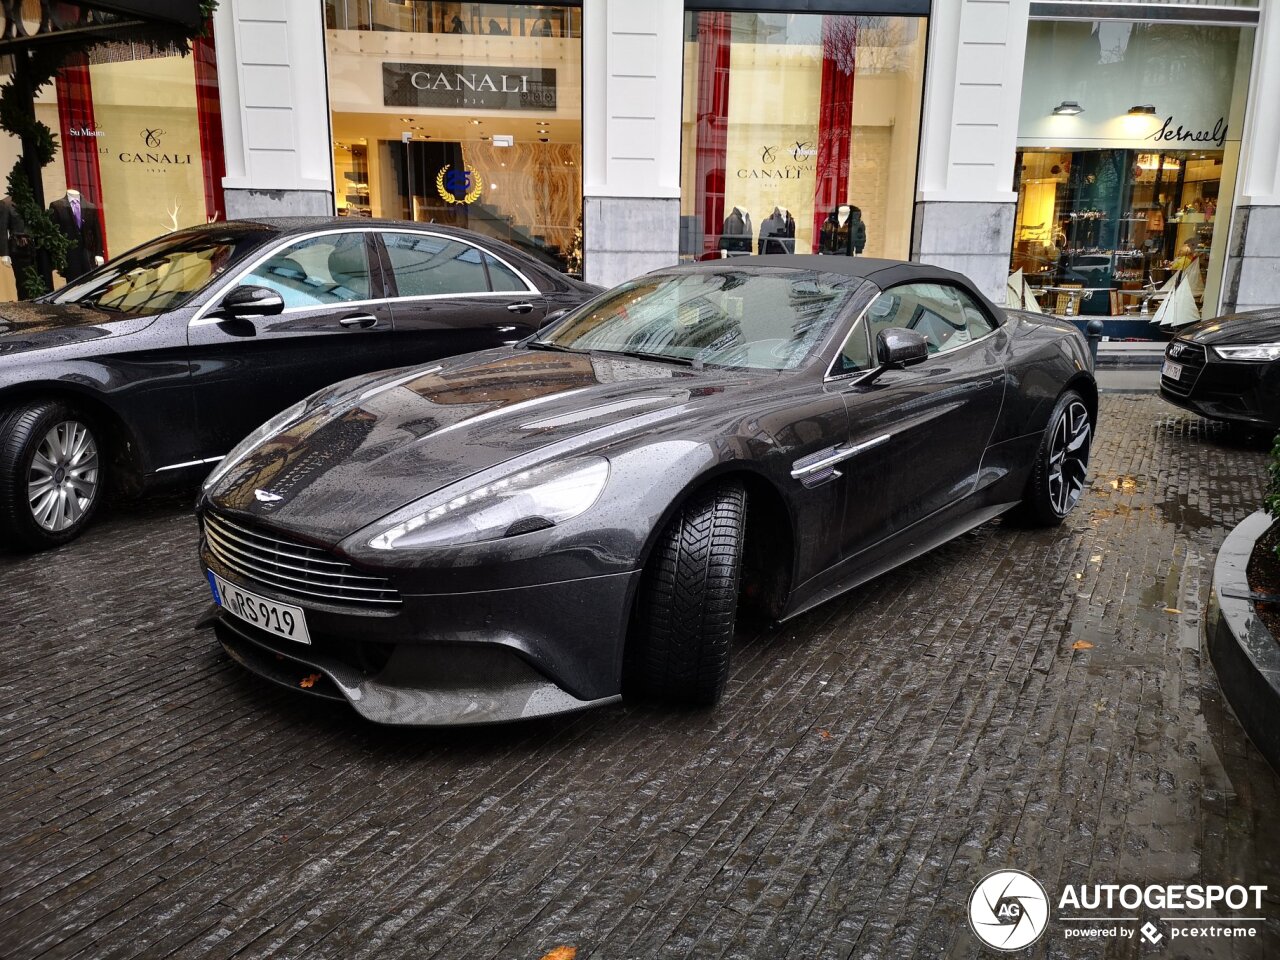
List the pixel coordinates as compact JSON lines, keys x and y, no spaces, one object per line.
{"x":1116,"y":224}
{"x":788,"y":118}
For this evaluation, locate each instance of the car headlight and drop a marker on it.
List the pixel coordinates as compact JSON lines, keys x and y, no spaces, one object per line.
{"x":1253,"y":351}
{"x":519,"y":503}
{"x":241,"y":449}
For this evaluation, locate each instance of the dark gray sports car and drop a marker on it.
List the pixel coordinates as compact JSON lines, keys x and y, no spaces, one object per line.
{"x":539,"y":528}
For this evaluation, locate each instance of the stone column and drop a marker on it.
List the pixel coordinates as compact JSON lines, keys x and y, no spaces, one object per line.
{"x":275,"y":112}
{"x":632,"y":78}
{"x":1252,"y":279}
{"x":965,"y":204}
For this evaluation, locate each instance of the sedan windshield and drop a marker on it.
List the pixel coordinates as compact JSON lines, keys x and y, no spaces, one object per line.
{"x":158,"y":276}
{"x":757,"y":319}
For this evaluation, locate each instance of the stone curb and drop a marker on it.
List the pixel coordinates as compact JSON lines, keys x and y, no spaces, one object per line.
{"x":1244,"y":653}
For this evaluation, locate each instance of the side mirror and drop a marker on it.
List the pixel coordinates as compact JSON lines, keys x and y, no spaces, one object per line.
{"x":251,"y":301}
{"x":551,"y":318}
{"x":898,"y":347}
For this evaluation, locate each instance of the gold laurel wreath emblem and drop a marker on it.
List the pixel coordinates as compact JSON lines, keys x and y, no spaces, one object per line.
{"x":472,"y":196}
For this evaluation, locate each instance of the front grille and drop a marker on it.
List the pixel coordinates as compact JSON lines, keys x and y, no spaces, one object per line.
{"x":1193,"y":358}
{"x":310,"y":573}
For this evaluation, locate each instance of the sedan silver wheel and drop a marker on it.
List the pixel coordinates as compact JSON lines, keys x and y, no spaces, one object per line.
{"x":64,"y":476}
{"x":1069,"y":457}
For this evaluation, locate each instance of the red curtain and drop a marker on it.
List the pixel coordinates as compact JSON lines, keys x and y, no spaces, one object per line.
{"x":835,"y":118}
{"x":712,"y":123}
{"x":209,"y":115}
{"x":78,"y":142}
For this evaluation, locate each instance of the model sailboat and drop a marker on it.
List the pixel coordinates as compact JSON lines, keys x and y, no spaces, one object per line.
{"x":1019,"y":295}
{"x":1179,"y":308}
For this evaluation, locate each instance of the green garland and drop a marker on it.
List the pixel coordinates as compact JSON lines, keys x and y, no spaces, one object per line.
{"x":18,"y":117}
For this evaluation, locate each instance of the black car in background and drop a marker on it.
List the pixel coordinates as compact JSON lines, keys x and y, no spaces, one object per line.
{"x":535,"y":528}
{"x":158,"y":363}
{"x":1227,"y":369}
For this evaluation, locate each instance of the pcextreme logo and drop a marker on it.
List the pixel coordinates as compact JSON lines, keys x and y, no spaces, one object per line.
{"x":1010,"y":910}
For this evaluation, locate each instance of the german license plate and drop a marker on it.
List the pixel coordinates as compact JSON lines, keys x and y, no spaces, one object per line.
{"x":280,"y":619}
{"x":1172,"y":370}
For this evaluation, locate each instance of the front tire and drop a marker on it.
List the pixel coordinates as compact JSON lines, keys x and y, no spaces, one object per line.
{"x":51,"y":474}
{"x":681,"y":641}
{"x":1062,"y":463}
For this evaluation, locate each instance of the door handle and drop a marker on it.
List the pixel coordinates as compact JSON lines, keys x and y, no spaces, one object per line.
{"x":359,"y":320}
{"x":520,"y":307}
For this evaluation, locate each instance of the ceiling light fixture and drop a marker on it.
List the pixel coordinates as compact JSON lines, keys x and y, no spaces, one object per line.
{"x":1068,"y":108}
{"x":1142,"y":110}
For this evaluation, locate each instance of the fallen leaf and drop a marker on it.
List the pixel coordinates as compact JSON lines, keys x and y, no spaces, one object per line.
{"x":825,"y":734}
{"x":1082,"y":645}
{"x":561,"y":953}
{"x":310,"y":681}
{"x":1172,"y":610}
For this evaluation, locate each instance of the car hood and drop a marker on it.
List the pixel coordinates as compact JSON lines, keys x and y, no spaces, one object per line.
{"x":384,"y":441}
{"x":1242,"y":328}
{"x":38,"y":326}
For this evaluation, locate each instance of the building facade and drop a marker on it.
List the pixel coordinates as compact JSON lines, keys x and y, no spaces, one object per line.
{"x":1102,"y":153}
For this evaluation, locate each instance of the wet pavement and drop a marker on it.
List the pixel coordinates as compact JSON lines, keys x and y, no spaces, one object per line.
{"x":1030,"y":699}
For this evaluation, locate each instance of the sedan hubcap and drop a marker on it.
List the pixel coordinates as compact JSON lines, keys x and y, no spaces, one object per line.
{"x":64,"y":476}
{"x":1069,"y":457}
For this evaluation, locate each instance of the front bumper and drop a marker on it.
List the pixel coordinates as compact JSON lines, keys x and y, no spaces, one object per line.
{"x":444,"y":659}
{"x":1227,"y":408}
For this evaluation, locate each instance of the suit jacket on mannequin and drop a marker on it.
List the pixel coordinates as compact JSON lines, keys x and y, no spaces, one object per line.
{"x":843,"y":239}
{"x":14,"y":241}
{"x":777,"y":233}
{"x":735,"y":235}
{"x":86,"y":238}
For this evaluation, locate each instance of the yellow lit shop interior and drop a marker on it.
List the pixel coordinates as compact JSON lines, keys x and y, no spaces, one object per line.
{"x":468,"y":114}
{"x":1117,"y":224}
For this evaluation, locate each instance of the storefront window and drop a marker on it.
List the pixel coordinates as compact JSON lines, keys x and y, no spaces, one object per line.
{"x":801,"y":133}
{"x":1129,"y":139}
{"x":139,"y":153}
{"x":461,"y":113}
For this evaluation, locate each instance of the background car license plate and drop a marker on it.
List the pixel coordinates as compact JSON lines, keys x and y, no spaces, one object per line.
{"x":1172,"y":370}
{"x":280,"y":619}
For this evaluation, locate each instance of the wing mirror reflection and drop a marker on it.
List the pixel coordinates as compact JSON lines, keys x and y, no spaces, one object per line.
{"x":896,"y":348}
{"x":248,"y":300}
{"x":551,"y":318}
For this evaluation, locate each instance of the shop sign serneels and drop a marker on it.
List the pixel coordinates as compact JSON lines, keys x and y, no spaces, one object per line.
{"x":458,"y":86}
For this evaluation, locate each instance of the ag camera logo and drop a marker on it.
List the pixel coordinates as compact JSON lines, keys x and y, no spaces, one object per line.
{"x":1008,"y":910}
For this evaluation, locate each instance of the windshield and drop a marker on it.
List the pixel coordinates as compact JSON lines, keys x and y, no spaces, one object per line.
{"x":160,"y":275}
{"x":758,"y":319}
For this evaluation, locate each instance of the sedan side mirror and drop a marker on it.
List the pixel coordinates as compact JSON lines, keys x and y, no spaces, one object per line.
{"x":248,"y":300}
{"x":897,"y":347}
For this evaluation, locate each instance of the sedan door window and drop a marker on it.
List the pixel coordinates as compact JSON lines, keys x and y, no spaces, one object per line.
{"x":329,"y":269}
{"x":425,"y":265}
{"x":502,"y":278}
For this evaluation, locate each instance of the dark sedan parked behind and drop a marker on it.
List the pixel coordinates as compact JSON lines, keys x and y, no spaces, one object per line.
{"x":157,"y":364}
{"x":1227,"y":369}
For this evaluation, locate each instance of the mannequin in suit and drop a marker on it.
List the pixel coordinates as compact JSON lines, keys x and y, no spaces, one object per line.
{"x":78,"y":220}
{"x":14,"y":242}
{"x":843,"y":232}
{"x":778,"y":233}
{"x":735,"y":235}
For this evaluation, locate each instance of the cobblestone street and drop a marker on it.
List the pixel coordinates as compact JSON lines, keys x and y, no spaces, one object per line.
{"x":1031,"y":699}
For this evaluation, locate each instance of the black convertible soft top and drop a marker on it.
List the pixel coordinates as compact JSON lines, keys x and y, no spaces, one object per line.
{"x":882,"y":273}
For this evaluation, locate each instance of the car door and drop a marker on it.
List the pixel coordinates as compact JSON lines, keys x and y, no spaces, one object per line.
{"x":334,"y":325}
{"x":450,"y":296}
{"x":918,"y":434}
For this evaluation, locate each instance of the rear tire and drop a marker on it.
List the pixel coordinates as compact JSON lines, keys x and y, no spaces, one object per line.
{"x":52,"y":473}
{"x":1062,"y":464}
{"x":685,"y":615}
